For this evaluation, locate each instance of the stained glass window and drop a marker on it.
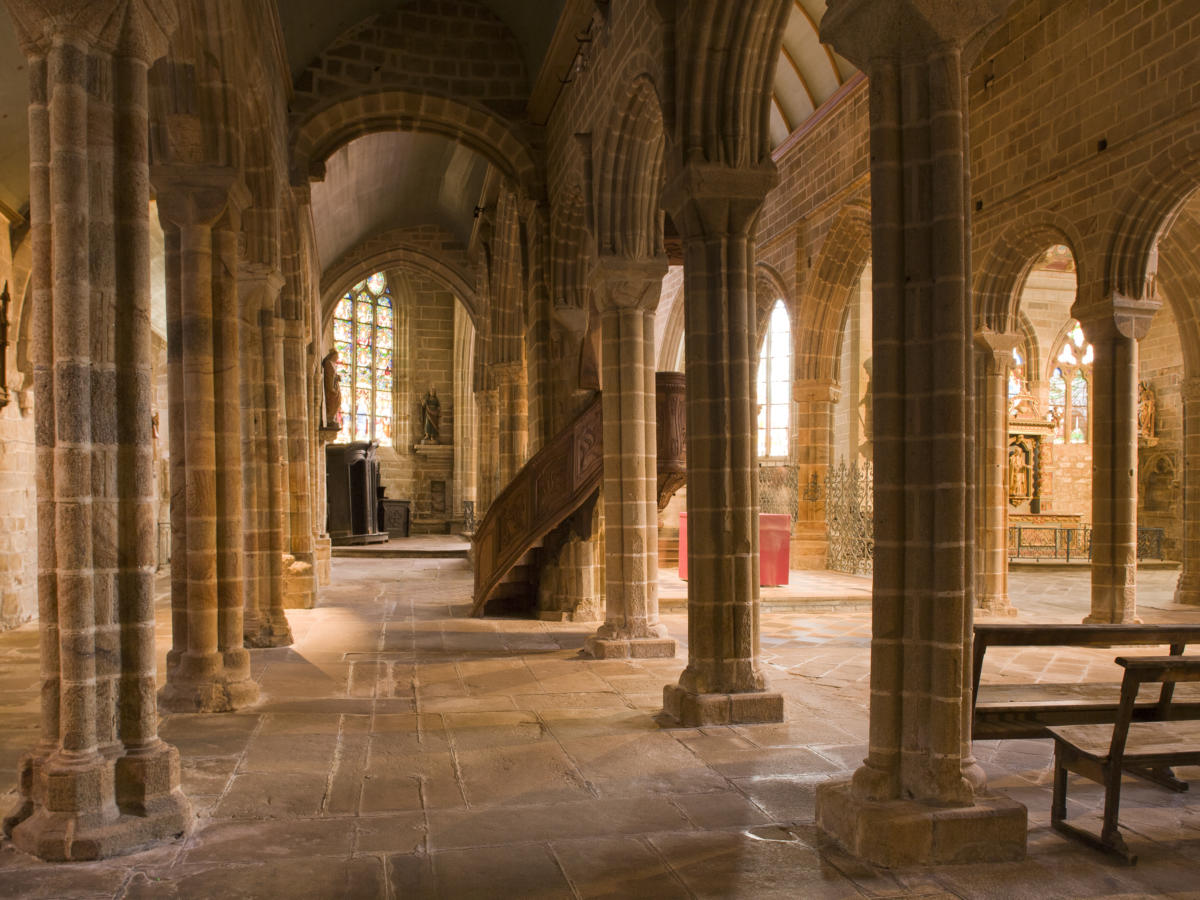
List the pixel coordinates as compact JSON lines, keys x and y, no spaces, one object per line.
{"x":1069,"y":387}
{"x":775,"y":385}
{"x":364,"y":339}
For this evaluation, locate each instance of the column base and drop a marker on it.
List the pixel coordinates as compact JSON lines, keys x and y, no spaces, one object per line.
{"x":97,"y":827}
{"x":299,"y":583}
{"x":906,"y":833}
{"x":218,"y":682}
{"x":1102,"y":619}
{"x":629,"y":648}
{"x":1187,"y":590}
{"x":693,"y":710}
{"x":998,"y":607}
{"x":322,"y":559}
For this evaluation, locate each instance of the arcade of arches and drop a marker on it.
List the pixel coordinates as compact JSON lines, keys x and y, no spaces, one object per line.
{"x":440,"y":253}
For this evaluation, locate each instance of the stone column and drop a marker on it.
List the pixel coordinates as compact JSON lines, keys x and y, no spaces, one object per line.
{"x":716,"y":209}
{"x":300,"y":585}
{"x":100,"y":781}
{"x":512,"y":413}
{"x":627,"y":293}
{"x":489,"y":450}
{"x":208,"y":669}
{"x":919,"y":798}
{"x":1114,"y":326}
{"x":993,"y":355}
{"x":1187,"y":591}
{"x":814,"y":404}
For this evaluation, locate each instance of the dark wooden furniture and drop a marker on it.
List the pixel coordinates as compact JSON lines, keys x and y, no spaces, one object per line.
{"x":395,"y":517}
{"x":352,"y":486}
{"x":1027,"y":710}
{"x":1148,"y":749}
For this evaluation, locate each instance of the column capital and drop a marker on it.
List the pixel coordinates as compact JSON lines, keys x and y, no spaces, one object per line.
{"x":707,"y":199}
{"x":137,"y":29}
{"x":259,"y":277}
{"x":1116,"y":316}
{"x":870,"y":32}
{"x":196,"y":195}
{"x":817,"y":390}
{"x":620,"y":283}
{"x":997,"y":346}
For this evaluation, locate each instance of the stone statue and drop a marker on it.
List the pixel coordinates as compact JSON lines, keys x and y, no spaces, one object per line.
{"x":1147,"y":407}
{"x":431,"y":417}
{"x":333,"y":390}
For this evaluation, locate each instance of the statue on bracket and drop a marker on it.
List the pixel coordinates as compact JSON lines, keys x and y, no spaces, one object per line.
{"x":431,"y":417}
{"x":1147,"y":414}
{"x":333,"y":390}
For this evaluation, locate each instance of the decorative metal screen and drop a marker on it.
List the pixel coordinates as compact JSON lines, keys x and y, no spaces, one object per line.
{"x":850,"y":517}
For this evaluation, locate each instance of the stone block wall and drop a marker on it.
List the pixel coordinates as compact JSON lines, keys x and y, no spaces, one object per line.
{"x":426,"y":360}
{"x":18,"y":518}
{"x":1160,"y":461}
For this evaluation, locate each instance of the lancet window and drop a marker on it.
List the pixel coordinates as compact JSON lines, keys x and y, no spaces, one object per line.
{"x":775,"y":385}
{"x":1070,"y":388}
{"x":364,"y":337}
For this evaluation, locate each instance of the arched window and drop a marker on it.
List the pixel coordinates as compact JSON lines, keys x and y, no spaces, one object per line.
{"x":1070,"y":383}
{"x":775,"y":385}
{"x":363,"y":335}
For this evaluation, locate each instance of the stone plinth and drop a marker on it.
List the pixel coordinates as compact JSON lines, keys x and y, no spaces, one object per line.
{"x":906,"y":833}
{"x":748,"y":708}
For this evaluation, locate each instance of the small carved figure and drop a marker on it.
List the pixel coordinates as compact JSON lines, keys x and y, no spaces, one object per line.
{"x":333,"y":390}
{"x":1147,"y":411}
{"x":154,"y":424}
{"x":1018,"y":474}
{"x":431,"y":417}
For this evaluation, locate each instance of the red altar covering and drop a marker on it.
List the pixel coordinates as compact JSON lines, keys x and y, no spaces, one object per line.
{"x":774,"y":545}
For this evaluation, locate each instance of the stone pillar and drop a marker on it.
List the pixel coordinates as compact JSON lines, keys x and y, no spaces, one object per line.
{"x":512,"y":413}
{"x":300,"y":584}
{"x":993,"y":355}
{"x":466,"y":444}
{"x":1187,"y":590}
{"x":919,"y":798}
{"x":716,"y":209}
{"x":100,"y":781}
{"x":208,"y":669}
{"x":1114,"y":327}
{"x":814,"y":404}
{"x":489,"y":450}
{"x":627,"y":293}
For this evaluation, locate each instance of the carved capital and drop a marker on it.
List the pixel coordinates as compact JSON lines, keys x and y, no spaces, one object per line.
{"x":870,"y":32}
{"x":1116,"y":316}
{"x":996,"y":347}
{"x":707,"y":199}
{"x":262,"y":278}
{"x":816,"y":391}
{"x":136,"y":29}
{"x":619,"y":283}
{"x":196,"y":195}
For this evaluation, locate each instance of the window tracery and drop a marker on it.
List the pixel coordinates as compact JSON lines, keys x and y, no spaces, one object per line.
{"x":1070,"y":388}
{"x":364,"y":337}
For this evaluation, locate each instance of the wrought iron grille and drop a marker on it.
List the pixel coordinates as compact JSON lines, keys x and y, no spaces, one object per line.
{"x":850,"y":517}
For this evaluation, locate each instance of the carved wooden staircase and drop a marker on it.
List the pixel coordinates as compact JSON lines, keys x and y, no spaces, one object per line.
{"x":556,"y":482}
{"x":560,"y":478}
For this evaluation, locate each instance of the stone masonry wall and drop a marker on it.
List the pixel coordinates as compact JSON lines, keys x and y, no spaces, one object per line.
{"x":1160,"y":462}
{"x":426,"y":362}
{"x":18,"y":518}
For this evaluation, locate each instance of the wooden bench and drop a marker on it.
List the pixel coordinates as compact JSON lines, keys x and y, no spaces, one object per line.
{"x":1148,"y":749}
{"x":1027,"y":710}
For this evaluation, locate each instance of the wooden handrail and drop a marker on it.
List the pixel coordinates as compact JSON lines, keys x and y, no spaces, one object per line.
{"x":556,"y":482}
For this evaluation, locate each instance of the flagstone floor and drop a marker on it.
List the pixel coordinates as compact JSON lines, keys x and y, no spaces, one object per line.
{"x":403,"y":750}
